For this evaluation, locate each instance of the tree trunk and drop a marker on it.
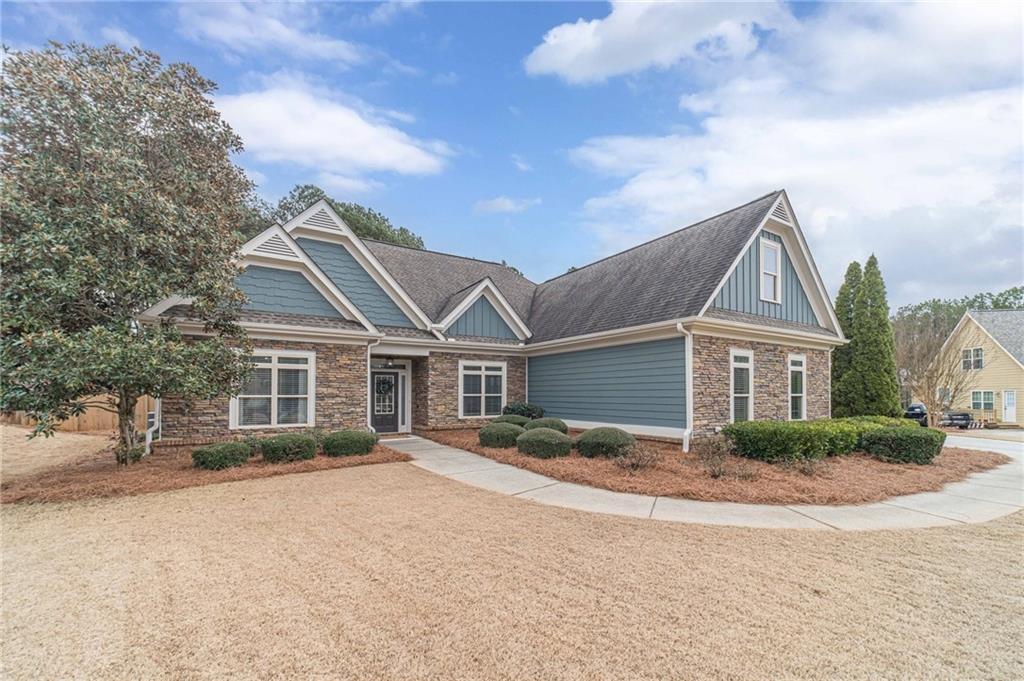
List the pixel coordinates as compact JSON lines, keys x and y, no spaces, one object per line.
{"x":127,"y":441}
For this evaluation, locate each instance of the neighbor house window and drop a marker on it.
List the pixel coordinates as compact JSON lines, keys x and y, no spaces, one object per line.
{"x":481,"y":388}
{"x":741,"y":381}
{"x":771,"y":264}
{"x":983,"y":400}
{"x":973,"y":358}
{"x":278,"y":392}
{"x":797,"y":388}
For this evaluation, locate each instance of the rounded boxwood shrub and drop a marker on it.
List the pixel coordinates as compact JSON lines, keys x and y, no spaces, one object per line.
{"x":288,"y":447}
{"x":530,"y":411}
{"x":221,"y":455}
{"x":553,"y":424}
{"x":544,"y":443}
{"x":778,"y":441}
{"x":512,"y":418}
{"x":349,"y":442}
{"x":500,"y":434}
{"x":905,"y":444}
{"x":605,"y":442}
{"x":843,"y":437}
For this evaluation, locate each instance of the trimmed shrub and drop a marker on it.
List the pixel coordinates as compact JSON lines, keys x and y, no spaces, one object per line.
{"x":777,"y":441}
{"x":530,"y":411}
{"x":544,"y":443}
{"x":553,"y":424}
{"x":288,"y":447}
{"x":500,"y":434}
{"x":221,"y":455}
{"x":904,"y":445}
{"x":843,"y":437}
{"x":349,"y":442}
{"x":604,"y":442}
{"x":512,"y":418}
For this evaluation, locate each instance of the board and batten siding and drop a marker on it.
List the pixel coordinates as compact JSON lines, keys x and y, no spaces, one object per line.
{"x":274,"y":290}
{"x":355,"y":282}
{"x":481,"y":319}
{"x":641,"y":384}
{"x":742,"y":292}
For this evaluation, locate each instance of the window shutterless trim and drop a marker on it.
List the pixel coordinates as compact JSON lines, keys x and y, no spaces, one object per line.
{"x":482,"y":373}
{"x":803,"y":386}
{"x":749,"y":365}
{"x":234,"y":409}
{"x":776,"y":296}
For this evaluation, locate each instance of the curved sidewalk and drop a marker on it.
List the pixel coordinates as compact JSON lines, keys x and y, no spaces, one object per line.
{"x":981,"y":497}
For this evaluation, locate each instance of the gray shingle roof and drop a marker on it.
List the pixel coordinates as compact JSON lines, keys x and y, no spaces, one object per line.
{"x":669,"y":277}
{"x":1006,"y":326}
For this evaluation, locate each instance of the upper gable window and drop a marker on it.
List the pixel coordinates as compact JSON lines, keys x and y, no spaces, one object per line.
{"x":771,"y":268}
{"x":973,"y":358}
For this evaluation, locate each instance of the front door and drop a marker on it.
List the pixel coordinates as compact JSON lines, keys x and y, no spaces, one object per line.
{"x":1010,"y":406}
{"x":384,"y":401}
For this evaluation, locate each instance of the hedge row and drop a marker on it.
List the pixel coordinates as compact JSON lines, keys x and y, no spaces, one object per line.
{"x":282,"y":448}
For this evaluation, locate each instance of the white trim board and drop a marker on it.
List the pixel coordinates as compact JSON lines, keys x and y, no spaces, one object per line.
{"x":635,"y":429}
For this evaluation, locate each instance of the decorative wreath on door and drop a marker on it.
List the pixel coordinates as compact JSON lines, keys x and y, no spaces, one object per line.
{"x":385,"y":387}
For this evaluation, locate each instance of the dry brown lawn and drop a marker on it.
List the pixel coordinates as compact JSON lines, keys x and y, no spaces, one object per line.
{"x":85,"y":469}
{"x":852,"y":479}
{"x":391,"y":572}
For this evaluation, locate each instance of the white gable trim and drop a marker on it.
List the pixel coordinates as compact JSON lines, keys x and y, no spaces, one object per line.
{"x":329,"y":227}
{"x":791,"y":235}
{"x":488,"y":290}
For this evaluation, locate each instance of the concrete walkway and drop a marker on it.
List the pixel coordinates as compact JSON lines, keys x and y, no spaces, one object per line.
{"x":981,"y":497}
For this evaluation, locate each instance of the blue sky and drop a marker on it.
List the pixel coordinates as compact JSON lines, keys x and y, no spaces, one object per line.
{"x":553,"y":134}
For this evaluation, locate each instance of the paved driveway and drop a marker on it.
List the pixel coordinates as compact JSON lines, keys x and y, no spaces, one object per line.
{"x":394,"y":572}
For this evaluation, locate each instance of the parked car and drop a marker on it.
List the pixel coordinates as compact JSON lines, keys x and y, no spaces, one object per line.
{"x":958,"y":419}
{"x":917,"y":412}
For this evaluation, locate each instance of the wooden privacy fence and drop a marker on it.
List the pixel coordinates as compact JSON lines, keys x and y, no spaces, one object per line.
{"x":90,"y":419}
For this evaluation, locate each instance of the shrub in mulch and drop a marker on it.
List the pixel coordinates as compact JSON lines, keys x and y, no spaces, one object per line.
{"x":605,"y":441}
{"x":904,"y":444}
{"x":349,"y":442}
{"x":544,"y":443}
{"x":553,"y":424}
{"x":221,"y":455}
{"x":288,"y":447}
{"x":512,"y":418}
{"x":500,"y":435}
{"x":530,"y":411}
{"x":777,"y":441}
{"x":636,"y":457}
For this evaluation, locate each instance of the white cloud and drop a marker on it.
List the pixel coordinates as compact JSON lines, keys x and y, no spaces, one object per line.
{"x":504,"y":204}
{"x":289,"y":120}
{"x":637,"y":36}
{"x":119,"y":37}
{"x":346,"y":185}
{"x":895,"y":128}
{"x":520,"y":163}
{"x":386,"y":12}
{"x":450,"y":78}
{"x":256,"y":176}
{"x":248,"y":28}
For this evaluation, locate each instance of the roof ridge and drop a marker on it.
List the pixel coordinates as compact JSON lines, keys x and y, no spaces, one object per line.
{"x":450,"y":255}
{"x":663,"y":236}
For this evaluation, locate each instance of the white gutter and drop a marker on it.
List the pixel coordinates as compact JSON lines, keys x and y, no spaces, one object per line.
{"x":369,"y":386}
{"x":688,"y":431}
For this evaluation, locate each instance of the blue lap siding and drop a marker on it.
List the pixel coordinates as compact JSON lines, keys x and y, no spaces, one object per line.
{"x":274,"y":290}
{"x":481,"y":319}
{"x":637,"y":384}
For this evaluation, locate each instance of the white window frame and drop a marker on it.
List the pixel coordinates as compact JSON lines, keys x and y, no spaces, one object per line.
{"x":273,"y":365}
{"x":803,"y":382}
{"x":974,"y":358}
{"x":981,"y":400}
{"x":733,"y":354}
{"x":777,"y":297}
{"x":483,"y":364}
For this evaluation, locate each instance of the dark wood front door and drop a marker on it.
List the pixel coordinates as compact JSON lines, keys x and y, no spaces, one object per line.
{"x":384,"y":401}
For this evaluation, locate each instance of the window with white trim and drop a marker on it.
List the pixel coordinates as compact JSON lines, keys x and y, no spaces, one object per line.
{"x":741,"y":385}
{"x":973,"y":358}
{"x":771,"y":267}
{"x":797,"y":388}
{"x":278,"y":392}
{"x":983,"y":400}
{"x":481,"y":389}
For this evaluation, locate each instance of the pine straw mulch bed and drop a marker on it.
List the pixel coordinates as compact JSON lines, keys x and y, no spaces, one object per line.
{"x":851,"y":479}
{"x":97,"y":475}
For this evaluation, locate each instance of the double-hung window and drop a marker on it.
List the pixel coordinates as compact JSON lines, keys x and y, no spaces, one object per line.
{"x":741,"y":385}
{"x":983,"y":400}
{"x":973,"y":358}
{"x":481,"y":388}
{"x":797,"y":388}
{"x":278,"y":392}
{"x":771,"y":266}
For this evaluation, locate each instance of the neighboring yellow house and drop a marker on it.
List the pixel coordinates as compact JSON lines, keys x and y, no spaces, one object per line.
{"x":991,"y":344}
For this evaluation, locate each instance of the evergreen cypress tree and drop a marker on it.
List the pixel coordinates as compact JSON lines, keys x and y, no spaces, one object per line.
{"x":844,"y":312}
{"x":869,"y":385}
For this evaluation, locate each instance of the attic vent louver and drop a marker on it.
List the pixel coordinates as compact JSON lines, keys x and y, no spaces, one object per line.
{"x":275,"y":245}
{"x":780,"y":213}
{"x":322,"y":220}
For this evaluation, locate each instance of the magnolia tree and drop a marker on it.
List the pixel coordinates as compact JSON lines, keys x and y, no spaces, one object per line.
{"x":118,"y":190}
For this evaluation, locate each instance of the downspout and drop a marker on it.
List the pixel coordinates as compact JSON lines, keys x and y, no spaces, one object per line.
{"x":369,"y":387}
{"x":688,"y":431}
{"x":151,"y":430}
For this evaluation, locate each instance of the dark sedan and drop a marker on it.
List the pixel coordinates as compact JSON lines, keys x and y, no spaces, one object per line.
{"x":917,"y":412}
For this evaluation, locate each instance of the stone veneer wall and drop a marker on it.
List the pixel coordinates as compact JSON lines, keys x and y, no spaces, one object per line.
{"x":436,"y":388}
{"x":341,"y":395}
{"x":771,"y":381}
